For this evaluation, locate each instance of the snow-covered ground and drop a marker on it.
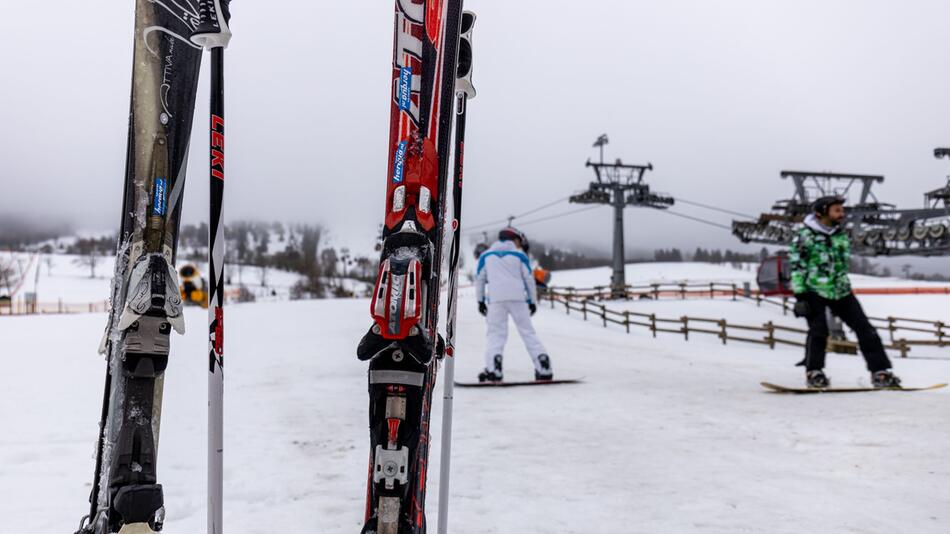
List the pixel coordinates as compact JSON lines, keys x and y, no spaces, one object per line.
{"x":663,"y":435}
{"x":656,"y":273}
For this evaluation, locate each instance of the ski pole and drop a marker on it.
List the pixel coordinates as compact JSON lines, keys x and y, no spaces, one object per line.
{"x":464,"y":91}
{"x":214,"y":34}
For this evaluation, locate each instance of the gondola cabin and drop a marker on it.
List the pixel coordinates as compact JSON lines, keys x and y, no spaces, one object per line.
{"x":775,"y":276}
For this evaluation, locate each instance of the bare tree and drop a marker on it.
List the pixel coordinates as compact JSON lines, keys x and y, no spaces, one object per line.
{"x":345,"y":259}
{"x":329,"y":259}
{"x":6,"y":273}
{"x":90,"y":259}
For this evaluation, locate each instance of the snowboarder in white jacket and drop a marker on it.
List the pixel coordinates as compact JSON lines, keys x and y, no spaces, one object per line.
{"x":505,"y":286}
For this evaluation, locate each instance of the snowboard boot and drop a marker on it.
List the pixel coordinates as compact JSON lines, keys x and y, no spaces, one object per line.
{"x":492,"y":375}
{"x":817,"y":379}
{"x":545,"y":373}
{"x":488,"y":375}
{"x":885,"y":379}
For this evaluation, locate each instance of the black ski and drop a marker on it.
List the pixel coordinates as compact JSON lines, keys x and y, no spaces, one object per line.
{"x":511,"y":384}
{"x":776,"y":388}
{"x":146,"y":303}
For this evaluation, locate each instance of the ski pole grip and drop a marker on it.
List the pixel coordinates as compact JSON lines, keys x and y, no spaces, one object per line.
{"x":213,"y":30}
{"x":463,"y":77}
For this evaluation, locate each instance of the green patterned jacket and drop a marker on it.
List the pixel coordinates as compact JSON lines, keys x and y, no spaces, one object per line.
{"x":820,"y":260}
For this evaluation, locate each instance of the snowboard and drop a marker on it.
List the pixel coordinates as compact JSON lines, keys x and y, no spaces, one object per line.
{"x":518,"y":383}
{"x":800,"y":390}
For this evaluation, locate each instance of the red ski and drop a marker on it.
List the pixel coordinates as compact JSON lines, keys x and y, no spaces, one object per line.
{"x":402,"y":343}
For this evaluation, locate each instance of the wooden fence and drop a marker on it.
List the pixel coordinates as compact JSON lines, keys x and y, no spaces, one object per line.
{"x":656,"y":291}
{"x":590,"y":303}
{"x":890,"y":325}
{"x":684,"y":290}
{"x":24,"y":307}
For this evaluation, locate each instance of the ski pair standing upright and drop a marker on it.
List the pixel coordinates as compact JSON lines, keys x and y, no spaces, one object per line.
{"x":403,"y":345}
{"x":146,"y":304}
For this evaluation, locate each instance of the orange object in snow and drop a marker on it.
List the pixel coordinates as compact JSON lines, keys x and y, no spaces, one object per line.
{"x":542,"y":276}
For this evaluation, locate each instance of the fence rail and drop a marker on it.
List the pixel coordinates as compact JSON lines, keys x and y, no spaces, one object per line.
{"x":24,"y":307}
{"x":656,"y":291}
{"x":590,"y":302}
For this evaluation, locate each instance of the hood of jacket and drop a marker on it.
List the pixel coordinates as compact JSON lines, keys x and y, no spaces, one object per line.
{"x":812,"y":221}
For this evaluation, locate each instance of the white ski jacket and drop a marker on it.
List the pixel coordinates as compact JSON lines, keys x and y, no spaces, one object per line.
{"x":506,"y":271}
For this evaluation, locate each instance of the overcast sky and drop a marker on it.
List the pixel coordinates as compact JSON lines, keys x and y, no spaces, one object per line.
{"x":719,"y":96}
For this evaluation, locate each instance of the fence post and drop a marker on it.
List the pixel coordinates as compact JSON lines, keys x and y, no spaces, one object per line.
{"x":683,"y":291}
{"x":603,"y":314}
{"x":584,"y":308}
{"x":891,"y":328}
{"x":770,"y":337}
{"x":785,"y":305}
{"x":626,"y":320}
{"x":656,"y":293}
{"x":653,"y":323}
{"x":734,"y":291}
{"x":940,"y":334}
{"x":902,"y":345}
{"x":724,"y":334}
{"x":712,"y":290}
{"x":685,"y":320}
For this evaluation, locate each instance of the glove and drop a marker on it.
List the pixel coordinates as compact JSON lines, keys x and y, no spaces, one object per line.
{"x":483,"y":308}
{"x":532,"y":307}
{"x":801,"y":308}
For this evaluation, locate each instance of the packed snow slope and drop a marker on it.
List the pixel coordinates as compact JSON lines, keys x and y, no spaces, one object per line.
{"x":663,"y":435}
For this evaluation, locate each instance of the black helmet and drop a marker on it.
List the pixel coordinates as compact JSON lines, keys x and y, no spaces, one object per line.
{"x":823,"y":204}
{"x":509,"y":233}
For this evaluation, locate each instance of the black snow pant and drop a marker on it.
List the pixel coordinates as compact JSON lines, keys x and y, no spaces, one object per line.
{"x":849,"y":310}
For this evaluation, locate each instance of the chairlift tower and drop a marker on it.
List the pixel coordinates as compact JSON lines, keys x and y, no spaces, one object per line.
{"x":620,"y":185}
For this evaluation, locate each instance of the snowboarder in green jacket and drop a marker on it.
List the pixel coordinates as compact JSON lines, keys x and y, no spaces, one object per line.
{"x":820,"y":256}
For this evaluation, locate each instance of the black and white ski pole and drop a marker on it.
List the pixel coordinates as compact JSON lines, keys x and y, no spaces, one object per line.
{"x":214,"y":34}
{"x":464,"y":90}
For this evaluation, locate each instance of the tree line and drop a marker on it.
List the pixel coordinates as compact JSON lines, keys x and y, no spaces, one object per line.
{"x":717,"y":256}
{"x":295,"y":248}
